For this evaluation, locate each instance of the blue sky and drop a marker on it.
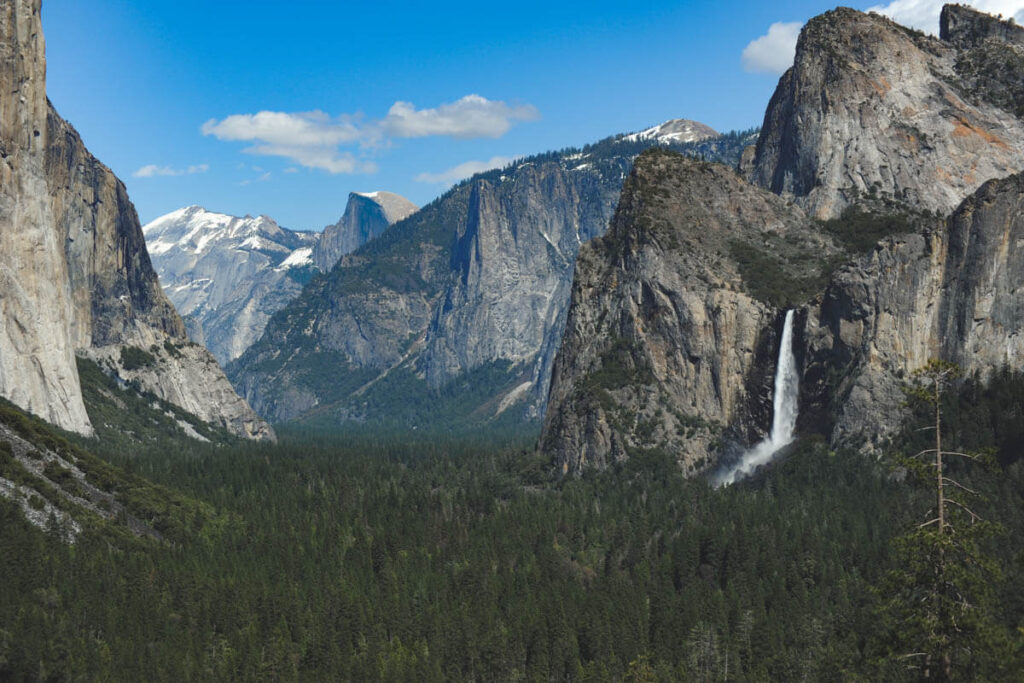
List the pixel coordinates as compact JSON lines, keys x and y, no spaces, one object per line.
{"x":168,"y":93}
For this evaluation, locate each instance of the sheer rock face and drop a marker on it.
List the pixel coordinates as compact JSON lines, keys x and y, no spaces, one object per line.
{"x":227,"y":275}
{"x":871,"y":109}
{"x":366,"y":216}
{"x":456,"y":312}
{"x":37,"y":362}
{"x":512,"y":264}
{"x":964,"y":26}
{"x":664,"y":346}
{"x":479,"y":276}
{"x":77,"y":275}
{"x":956,"y":293}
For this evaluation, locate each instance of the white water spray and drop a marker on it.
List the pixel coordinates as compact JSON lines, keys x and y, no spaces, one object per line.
{"x":784,"y":410}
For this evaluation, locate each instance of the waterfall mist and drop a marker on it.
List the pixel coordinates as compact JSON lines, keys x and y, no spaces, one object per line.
{"x":784,"y":411}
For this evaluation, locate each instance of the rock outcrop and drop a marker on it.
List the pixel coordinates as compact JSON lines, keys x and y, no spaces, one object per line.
{"x":367,"y":214}
{"x":872,"y":110}
{"x":37,"y":361}
{"x":955,"y":292}
{"x":227,"y":275}
{"x":667,"y":344}
{"x":77,"y":277}
{"x":455,"y":313}
{"x":512,"y":261}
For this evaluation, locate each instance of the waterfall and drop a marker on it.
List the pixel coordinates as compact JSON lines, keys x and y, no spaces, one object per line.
{"x":784,"y":410}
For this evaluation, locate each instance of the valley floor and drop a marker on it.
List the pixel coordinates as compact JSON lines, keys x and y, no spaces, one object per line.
{"x":377,"y":557}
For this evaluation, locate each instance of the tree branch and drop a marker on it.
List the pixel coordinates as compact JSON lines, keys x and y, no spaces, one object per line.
{"x":957,"y":484}
{"x":974,"y":517}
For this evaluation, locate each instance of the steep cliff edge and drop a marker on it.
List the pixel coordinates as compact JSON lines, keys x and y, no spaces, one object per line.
{"x":74,"y":256}
{"x":37,"y":361}
{"x":366,"y":216}
{"x":672,"y":330}
{"x":955,"y":292}
{"x":871,"y":110}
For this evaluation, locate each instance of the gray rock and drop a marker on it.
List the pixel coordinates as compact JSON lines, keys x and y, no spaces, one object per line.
{"x":954,"y":293}
{"x":366,"y":216}
{"x":666,"y":346}
{"x":37,"y":345}
{"x":227,"y":275}
{"x":456,"y":312}
{"x":77,"y":277}
{"x":871,"y":109}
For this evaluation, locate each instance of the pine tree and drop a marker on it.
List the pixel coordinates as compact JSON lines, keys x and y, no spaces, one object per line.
{"x":937,"y":598}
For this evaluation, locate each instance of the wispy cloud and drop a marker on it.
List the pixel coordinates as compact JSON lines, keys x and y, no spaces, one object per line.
{"x":470,"y":117}
{"x":464,"y":170}
{"x":773,"y":52}
{"x":153,"y":170}
{"x":314,"y":139}
{"x":924,"y":14}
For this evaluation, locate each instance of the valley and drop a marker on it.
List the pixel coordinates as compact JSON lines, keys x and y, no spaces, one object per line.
{"x":671,"y":405}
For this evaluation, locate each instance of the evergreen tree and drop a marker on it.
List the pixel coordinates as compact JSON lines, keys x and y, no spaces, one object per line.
{"x":937,"y":598}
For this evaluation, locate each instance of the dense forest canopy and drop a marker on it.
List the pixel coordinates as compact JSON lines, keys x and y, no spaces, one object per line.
{"x":379,"y":557}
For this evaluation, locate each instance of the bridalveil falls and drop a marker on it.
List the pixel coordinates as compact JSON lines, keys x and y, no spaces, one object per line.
{"x":784,"y":411}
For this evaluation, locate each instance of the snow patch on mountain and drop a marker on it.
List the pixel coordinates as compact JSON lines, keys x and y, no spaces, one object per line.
{"x":675,"y":130}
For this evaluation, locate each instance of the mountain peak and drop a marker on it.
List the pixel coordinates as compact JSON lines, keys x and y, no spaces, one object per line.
{"x":675,"y":130}
{"x":367,"y":214}
{"x":865,"y":114}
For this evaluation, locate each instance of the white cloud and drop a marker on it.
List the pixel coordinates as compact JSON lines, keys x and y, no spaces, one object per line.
{"x":773,"y":52}
{"x":464,"y":170}
{"x":924,"y":14}
{"x":152,"y":170}
{"x":313,"y":139}
{"x":472,"y":116}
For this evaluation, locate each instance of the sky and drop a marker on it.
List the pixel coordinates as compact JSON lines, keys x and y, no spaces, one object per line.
{"x":283,"y":108}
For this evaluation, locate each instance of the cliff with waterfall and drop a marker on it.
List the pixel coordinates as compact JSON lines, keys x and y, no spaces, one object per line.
{"x":673,"y":330}
{"x":890,"y":223}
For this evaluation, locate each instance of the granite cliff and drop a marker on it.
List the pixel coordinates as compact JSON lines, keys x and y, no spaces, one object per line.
{"x":367,"y":214}
{"x":77,"y":277}
{"x":954,"y":292}
{"x":672,"y":329}
{"x":871,"y":110}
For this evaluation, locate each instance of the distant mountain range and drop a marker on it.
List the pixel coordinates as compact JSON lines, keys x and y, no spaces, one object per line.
{"x":453,"y":315}
{"x":227,"y":275}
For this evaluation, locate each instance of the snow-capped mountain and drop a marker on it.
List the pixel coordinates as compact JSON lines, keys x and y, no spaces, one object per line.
{"x":227,"y":275}
{"x":676,"y":130}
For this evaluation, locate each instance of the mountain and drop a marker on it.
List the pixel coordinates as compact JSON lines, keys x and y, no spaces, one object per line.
{"x":676,"y":130}
{"x":453,"y":315}
{"x":872,"y":110}
{"x":366,"y":216}
{"x":674,"y":317}
{"x":76,"y":277}
{"x":227,"y":275}
{"x":674,"y":326}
